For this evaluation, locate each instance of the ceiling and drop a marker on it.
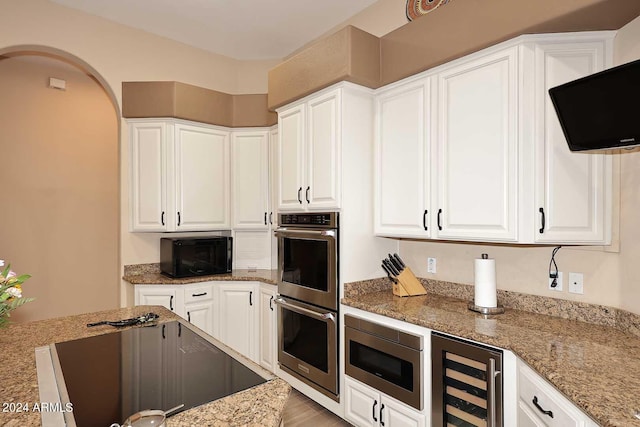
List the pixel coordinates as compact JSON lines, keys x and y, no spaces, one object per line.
{"x":263,"y":29}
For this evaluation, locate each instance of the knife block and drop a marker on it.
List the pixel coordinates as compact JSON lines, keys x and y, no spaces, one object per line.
{"x":408,"y":285}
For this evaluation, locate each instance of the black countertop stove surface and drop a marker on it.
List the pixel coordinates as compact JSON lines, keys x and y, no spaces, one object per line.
{"x":110,"y":377}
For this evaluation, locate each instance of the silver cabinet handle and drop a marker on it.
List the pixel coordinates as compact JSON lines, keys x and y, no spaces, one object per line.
{"x":491,"y":392}
{"x":302,"y":310}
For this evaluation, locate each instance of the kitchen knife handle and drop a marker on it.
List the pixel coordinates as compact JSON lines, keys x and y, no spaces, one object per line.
{"x":306,"y":194}
{"x":424,"y":220}
{"x":543,"y":220}
{"x":439,"y":216}
{"x":299,"y":191}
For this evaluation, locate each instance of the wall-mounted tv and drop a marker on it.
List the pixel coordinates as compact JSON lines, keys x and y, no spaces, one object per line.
{"x":602,"y":110}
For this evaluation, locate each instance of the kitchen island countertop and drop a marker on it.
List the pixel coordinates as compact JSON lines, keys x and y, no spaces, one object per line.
{"x":261,"y":405}
{"x":597,"y":367}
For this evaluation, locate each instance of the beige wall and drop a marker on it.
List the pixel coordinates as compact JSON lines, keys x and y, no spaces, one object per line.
{"x":118,"y":54}
{"x":59,"y":175}
{"x":628,"y":49}
{"x":610,"y":278}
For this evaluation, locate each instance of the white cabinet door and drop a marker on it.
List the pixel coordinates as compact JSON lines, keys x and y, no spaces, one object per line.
{"x":273,"y":188}
{"x":268,"y":357}
{"x":402,"y":161}
{"x":202,"y":178}
{"x":477,"y":149}
{"x":250,"y":179}
{"x":148,"y":186}
{"x":323,"y":149}
{"x":201,"y":315}
{"x":167,"y":296}
{"x":237,"y":316}
{"x":291,"y":157}
{"x":573,"y":189}
{"x":393,"y":414}
{"x":361,"y":404}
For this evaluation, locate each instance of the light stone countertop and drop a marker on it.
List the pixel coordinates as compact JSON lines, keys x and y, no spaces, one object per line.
{"x":597,"y":367}
{"x":261,"y":405}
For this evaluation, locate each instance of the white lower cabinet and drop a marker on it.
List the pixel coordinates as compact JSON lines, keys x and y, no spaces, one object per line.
{"x":365,"y":406}
{"x":199,"y":306}
{"x":268,"y":351}
{"x":170,"y":297}
{"x":240,"y":314}
{"x":237,"y":316}
{"x":541,"y":405}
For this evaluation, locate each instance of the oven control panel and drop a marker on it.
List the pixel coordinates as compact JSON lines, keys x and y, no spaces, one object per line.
{"x":318,"y":220}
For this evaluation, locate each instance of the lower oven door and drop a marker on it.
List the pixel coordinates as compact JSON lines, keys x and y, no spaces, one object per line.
{"x":308,"y":344}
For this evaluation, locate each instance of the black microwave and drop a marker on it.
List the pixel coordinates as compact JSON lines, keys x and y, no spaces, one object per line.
{"x":202,"y":256}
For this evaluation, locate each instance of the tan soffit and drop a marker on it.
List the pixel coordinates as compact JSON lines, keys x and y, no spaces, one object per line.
{"x":451,"y":31}
{"x":348,"y":55}
{"x":188,"y":102}
{"x":464,"y":26}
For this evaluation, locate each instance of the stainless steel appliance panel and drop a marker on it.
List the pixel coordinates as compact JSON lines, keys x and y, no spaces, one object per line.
{"x":466,"y":383}
{"x":385,"y":358}
{"x":308,"y":343}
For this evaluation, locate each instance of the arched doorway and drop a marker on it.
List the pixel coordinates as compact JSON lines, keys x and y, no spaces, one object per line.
{"x":59,"y":182}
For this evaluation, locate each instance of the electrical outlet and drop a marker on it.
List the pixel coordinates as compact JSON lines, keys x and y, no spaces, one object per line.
{"x":431,"y":265}
{"x":576,"y":282}
{"x":558,"y":283}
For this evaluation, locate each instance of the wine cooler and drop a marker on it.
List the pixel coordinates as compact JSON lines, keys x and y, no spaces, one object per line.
{"x":466,"y":384}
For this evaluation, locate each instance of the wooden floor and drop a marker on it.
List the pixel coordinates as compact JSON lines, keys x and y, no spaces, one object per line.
{"x":302,"y":411}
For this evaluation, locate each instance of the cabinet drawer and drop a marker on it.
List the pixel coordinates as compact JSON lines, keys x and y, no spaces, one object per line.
{"x":198,"y":293}
{"x":561,"y":412}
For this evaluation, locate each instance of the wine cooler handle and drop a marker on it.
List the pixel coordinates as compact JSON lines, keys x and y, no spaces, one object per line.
{"x":491,"y":385}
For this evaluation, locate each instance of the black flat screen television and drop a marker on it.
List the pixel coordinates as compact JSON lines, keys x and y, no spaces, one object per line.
{"x":602,"y":110}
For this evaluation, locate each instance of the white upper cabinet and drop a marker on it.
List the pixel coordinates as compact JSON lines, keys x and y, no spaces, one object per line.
{"x":477,"y":149}
{"x":148,"y":189}
{"x":202,"y":178}
{"x":402,"y":158}
{"x":250,"y":179}
{"x":309,"y":153}
{"x":483,"y":158}
{"x":179,"y":176}
{"x":572,"y":189}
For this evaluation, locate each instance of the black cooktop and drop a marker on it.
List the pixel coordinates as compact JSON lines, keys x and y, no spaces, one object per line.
{"x":110,"y":377}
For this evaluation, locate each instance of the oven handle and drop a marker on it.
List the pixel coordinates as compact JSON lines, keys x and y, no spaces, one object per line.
{"x":319,"y":316}
{"x":284,"y":231}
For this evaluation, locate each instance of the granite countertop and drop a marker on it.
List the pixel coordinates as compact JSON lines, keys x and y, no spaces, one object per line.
{"x":262,"y":405}
{"x":154,"y":277}
{"x":597,"y":367}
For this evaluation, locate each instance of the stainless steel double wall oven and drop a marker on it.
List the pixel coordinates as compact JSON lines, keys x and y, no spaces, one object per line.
{"x":308,"y":299}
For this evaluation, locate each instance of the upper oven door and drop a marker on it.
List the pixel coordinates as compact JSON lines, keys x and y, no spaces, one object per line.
{"x":308,"y":266}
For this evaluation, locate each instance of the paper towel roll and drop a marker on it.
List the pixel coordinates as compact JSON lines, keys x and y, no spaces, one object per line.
{"x":485,"y":282}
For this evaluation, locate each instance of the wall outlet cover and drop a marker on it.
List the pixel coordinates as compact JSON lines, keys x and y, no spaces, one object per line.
{"x":431,"y":265}
{"x":576,"y":283}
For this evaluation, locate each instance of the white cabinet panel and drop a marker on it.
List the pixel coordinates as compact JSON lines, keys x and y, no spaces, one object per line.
{"x":290,"y":157}
{"x":572,"y":188}
{"x":238,"y":317}
{"x":397,"y":415}
{"x":252,"y":249}
{"x":147,"y":179}
{"x":402,"y":161}
{"x":268,"y":357}
{"x":478,"y":151}
{"x":167,"y":296}
{"x":323,"y":152}
{"x":201,"y":315}
{"x":250,"y":179}
{"x":202,"y":178}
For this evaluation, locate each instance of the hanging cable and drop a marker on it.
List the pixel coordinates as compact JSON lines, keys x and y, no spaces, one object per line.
{"x":553,"y":272}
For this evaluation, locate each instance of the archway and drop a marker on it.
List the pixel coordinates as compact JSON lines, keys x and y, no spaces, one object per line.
{"x":60,"y":218}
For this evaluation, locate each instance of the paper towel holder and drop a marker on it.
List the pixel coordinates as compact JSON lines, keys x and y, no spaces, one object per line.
{"x":485,"y":310}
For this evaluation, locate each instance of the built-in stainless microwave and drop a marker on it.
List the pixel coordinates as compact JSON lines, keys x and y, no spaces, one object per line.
{"x":201,"y":256}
